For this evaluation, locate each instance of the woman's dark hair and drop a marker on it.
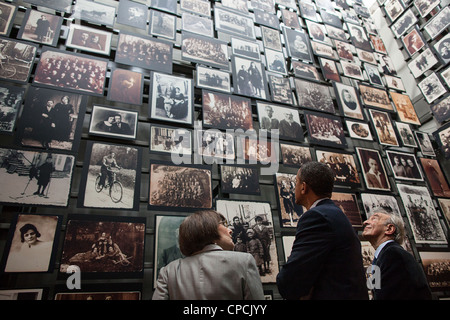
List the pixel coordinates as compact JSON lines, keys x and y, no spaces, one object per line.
{"x":319,"y":177}
{"x":27,"y":227}
{"x":198,"y":230}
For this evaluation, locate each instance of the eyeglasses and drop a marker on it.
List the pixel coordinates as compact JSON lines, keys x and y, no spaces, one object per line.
{"x":224,"y":223}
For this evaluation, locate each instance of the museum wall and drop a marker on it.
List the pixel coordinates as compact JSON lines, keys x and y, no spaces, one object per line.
{"x":334,"y":81}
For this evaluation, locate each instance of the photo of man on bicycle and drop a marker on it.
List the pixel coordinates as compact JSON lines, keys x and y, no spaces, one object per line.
{"x":109,"y":162}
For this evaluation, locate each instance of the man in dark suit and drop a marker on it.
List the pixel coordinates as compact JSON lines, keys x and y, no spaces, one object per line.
{"x":401,"y":277}
{"x":325,"y":262}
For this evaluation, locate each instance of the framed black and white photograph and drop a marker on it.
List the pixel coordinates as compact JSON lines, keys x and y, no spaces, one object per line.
{"x":113,"y":122}
{"x":40,"y":27}
{"x":436,"y":275}
{"x":164,"y":5}
{"x":405,"y":134}
{"x":358,"y":37}
{"x":253,"y":150}
{"x":17,"y":60}
{"x":252,"y":221}
{"x":133,"y":14}
{"x":350,"y":17}
{"x":329,"y":70}
{"x":405,"y":22}
{"x":126,"y":86}
{"x":213,"y":79}
{"x":359,"y":130}
{"x":325,"y":129}
{"x":395,"y":83}
{"x":213,"y":145}
{"x":179,"y":187}
{"x":317,"y":32}
{"x":11,"y":98}
{"x":8,"y":13}
{"x":374,"y":97}
{"x":351,"y":70}
{"x":172,"y":98}
{"x":288,"y":210}
{"x":348,"y":202}
{"x":32,"y":243}
{"x":425,"y":145}
{"x":275,"y":61}
{"x":249,"y":78}
{"x":89,"y":11}
{"x":197,"y":24}
{"x":54,"y":71}
{"x":287,"y":3}
{"x":372,"y":201}
{"x":245,"y":48}
{"x":373,"y":170}
{"x":393,"y":9}
{"x":343,"y":165}
{"x":199,"y":7}
{"x":435,"y":178}
{"x":233,"y":23}
{"x":413,"y":41}
{"x":442,"y":49}
{"x":58,"y":5}
{"x":206,"y":50}
{"x":111,"y":177}
{"x":432,"y":87}
{"x":373,"y":75}
{"x":308,"y":10}
{"x":336,"y":33}
{"x":438,"y":23}
{"x":170,"y":140}
{"x":236,"y":5}
{"x":265,"y":18}
{"x":441,"y":109}
{"x":442,"y":138}
{"x":405,"y":108}
{"x":384,"y":128}
{"x":422,"y":215}
{"x":305,"y":71}
{"x":51,"y":119}
{"x":314,"y":96}
{"x":297,"y":44}
{"x":294,"y":155}
{"x":144,"y":52}
{"x":348,"y":101}
{"x":324,"y":50}
{"x":284,"y":119}
{"x":89,"y":39}
{"x":163,"y":24}
{"x":366,"y":56}
{"x":47,"y":182}
{"x":331,"y":18}
{"x":271,"y":38}
{"x":423,"y":62}
{"x":167,"y":248}
{"x":290,"y":19}
{"x":386,"y":65}
{"x":445,"y":75}
{"x":226,"y":111}
{"x":344,"y":50}
{"x":404,"y":166}
{"x":425,"y":6}
{"x":239,"y":179}
{"x":280,"y":89}
{"x":102,"y":247}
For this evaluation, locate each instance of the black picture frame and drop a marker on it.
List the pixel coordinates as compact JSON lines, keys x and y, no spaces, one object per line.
{"x":245,"y":48}
{"x":125,"y":86}
{"x":366,"y":155}
{"x":162,"y":25}
{"x":214,"y":146}
{"x":424,"y":7}
{"x":404,"y":166}
{"x":280,"y":89}
{"x":325,"y":130}
{"x":173,"y":141}
{"x":275,"y":62}
{"x":328,"y":17}
{"x":271,"y":38}
{"x":432,"y":87}
{"x":384,"y":128}
{"x":249,"y":78}
{"x":233,"y":23}
{"x":294,"y":155}
{"x":212,"y":79}
{"x":438,"y":23}
{"x":197,"y":24}
{"x":424,"y":142}
{"x":289,"y":212}
{"x":314,"y":96}
{"x":89,"y":39}
{"x":132,"y":14}
{"x":373,"y":75}
{"x":348,"y":202}
{"x":441,"y":109}
{"x":239,"y":179}
{"x":393,"y":9}
{"x":405,"y":134}
{"x":199,"y":7}
{"x":87,"y":10}
{"x":323,"y":50}
{"x":358,"y":37}
{"x":329,"y":70}
{"x":8,"y":14}
{"x":305,"y":71}
{"x":308,"y":10}
{"x":435,"y":177}
{"x":317,"y":32}
{"x":422,"y":62}
{"x":17,"y":63}
{"x":40,"y":27}
{"x":12,"y":104}
{"x":442,"y":138}
{"x":113,"y":122}
{"x":265,"y":18}
{"x":359,"y":130}
{"x":298,"y":45}
{"x":441,"y":49}
{"x":348,"y":101}
{"x":375,"y":97}
{"x":61,"y":6}
{"x":405,"y":108}
{"x":407,"y":20}
{"x":351,"y":70}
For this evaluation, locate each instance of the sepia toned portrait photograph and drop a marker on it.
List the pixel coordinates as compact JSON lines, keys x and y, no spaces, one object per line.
{"x":373,"y":169}
{"x":413,"y":41}
{"x":239,"y":179}
{"x":162,"y":24}
{"x":395,"y":83}
{"x":442,"y":137}
{"x":344,"y":50}
{"x":89,"y":39}
{"x":329,"y":70}
{"x":317,"y":32}
{"x":284,"y":119}
{"x":226,"y":111}
{"x":126,"y":86}
{"x":324,"y":129}
{"x":213,"y":144}
{"x":113,"y":122}
{"x":298,"y":45}
{"x":179,"y":187}
{"x":172,"y":98}
{"x":405,"y":134}
{"x":348,"y":203}
{"x":366,"y":56}
{"x":280,"y":89}
{"x":422,"y":215}
{"x":348,"y":101}
{"x":445,"y":206}
{"x":405,"y":108}
{"x":71,"y":71}
{"x":359,"y":130}
{"x":17,"y":60}
{"x":435,"y":177}
{"x":394,"y":8}
{"x":441,"y":109}
{"x":51,"y":119}
{"x":374,"y":97}
{"x":289,"y":211}
{"x":94,"y":12}
{"x":404,"y":166}
{"x":436,"y":266}
{"x":104,"y":246}
{"x":384,"y":128}
{"x":168,"y":140}
{"x":111,"y":177}
{"x":11,"y":98}
{"x":294,"y":155}
{"x":343,"y":165}
{"x":305,"y":71}
{"x":373,"y":75}
{"x":32,"y":178}
{"x":351,"y":70}
{"x":271,"y":38}
{"x":31,"y":243}
{"x":7,"y":14}
{"x":250,"y":78}
{"x":133,"y":14}
{"x":213,"y":79}
{"x":314,"y":96}
{"x":253,"y":232}
{"x":290,"y":19}
{"x":425,"y":145}
{"x":359,"y":38}
{"x":144,"y":52}
{"x":40,"y":27}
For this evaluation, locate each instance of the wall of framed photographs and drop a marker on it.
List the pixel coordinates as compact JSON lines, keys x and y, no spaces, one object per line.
{"x":119,"y":118}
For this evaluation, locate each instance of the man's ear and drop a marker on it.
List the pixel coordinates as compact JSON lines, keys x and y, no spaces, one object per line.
{"x":390,"y":229}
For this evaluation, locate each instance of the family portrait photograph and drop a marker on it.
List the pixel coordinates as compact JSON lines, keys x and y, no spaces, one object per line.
{"x":113,"y":122}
